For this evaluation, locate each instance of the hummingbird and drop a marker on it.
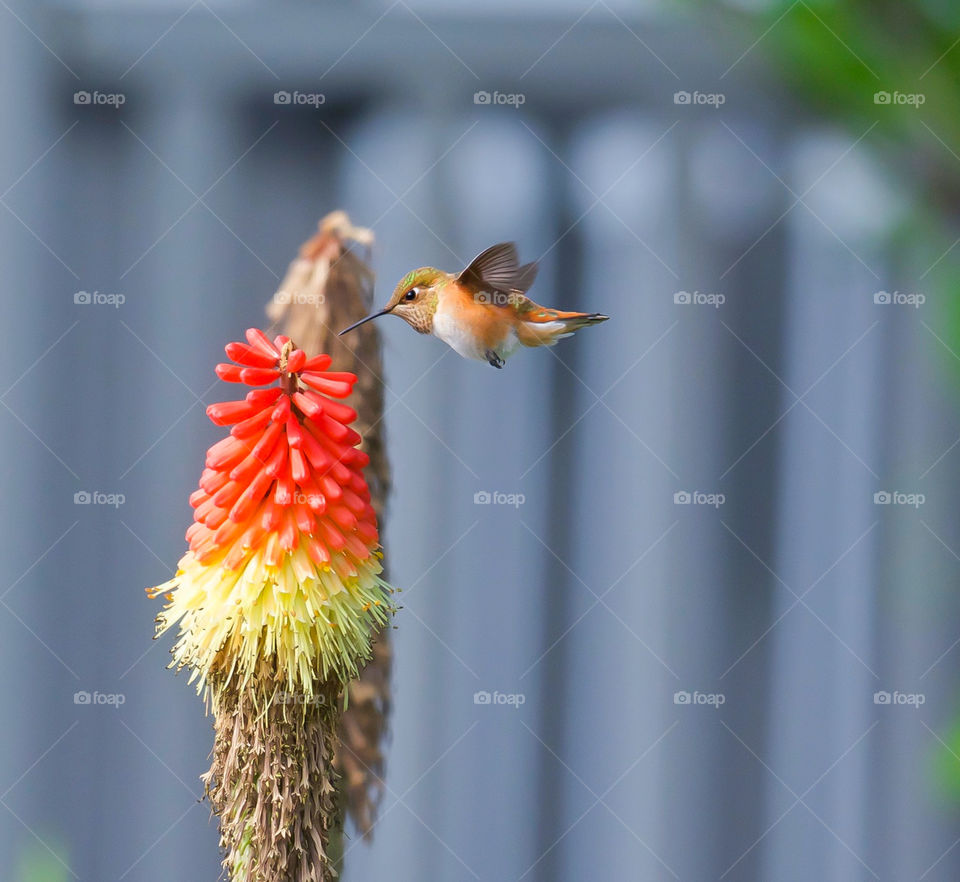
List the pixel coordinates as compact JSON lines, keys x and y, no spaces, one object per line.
{"x":482,"y":312}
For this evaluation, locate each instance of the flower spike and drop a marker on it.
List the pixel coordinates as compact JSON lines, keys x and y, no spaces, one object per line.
{"x":283,"y":565}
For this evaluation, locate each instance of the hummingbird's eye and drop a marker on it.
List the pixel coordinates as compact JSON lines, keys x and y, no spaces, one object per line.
{"x":411,"y":294}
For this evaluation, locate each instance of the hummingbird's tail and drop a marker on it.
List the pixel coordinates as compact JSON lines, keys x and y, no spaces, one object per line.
{"x":543,"y":327}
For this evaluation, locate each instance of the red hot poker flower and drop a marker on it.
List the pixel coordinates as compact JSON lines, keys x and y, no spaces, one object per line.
{"x":283,"y":557}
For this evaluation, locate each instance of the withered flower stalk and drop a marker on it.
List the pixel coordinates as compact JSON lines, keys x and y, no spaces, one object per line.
{"x":280,"y":597}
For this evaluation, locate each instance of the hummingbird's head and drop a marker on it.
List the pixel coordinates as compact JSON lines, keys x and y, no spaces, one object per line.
{"x":414,"y":300}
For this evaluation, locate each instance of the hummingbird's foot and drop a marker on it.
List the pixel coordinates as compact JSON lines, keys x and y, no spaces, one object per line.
{"x":494,"y":359}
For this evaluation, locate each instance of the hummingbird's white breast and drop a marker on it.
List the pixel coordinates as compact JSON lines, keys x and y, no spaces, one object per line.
{"x":459,"y":338}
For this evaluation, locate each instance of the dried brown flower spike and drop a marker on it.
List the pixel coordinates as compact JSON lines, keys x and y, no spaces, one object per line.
{"x":327,"y":287}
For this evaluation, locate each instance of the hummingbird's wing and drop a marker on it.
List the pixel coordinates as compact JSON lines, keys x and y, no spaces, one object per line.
{"x":497,"y":269}
{"x":525,"y":276}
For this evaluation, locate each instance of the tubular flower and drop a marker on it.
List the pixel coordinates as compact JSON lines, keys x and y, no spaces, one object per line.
{"x":284,"y":562}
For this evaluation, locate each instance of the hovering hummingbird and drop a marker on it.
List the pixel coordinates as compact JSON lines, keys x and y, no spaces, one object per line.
{"x":483,"y":311}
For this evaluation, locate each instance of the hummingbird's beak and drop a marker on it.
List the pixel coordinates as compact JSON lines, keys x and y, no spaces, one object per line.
{"x":363,"y":320}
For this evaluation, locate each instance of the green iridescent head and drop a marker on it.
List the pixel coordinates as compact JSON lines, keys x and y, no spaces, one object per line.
{"x":414,"y":299}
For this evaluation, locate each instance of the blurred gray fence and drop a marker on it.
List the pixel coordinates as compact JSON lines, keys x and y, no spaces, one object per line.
{"x":602,"y":598}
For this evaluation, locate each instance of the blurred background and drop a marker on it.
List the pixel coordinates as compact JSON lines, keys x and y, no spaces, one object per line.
{"x":712,"y":596}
